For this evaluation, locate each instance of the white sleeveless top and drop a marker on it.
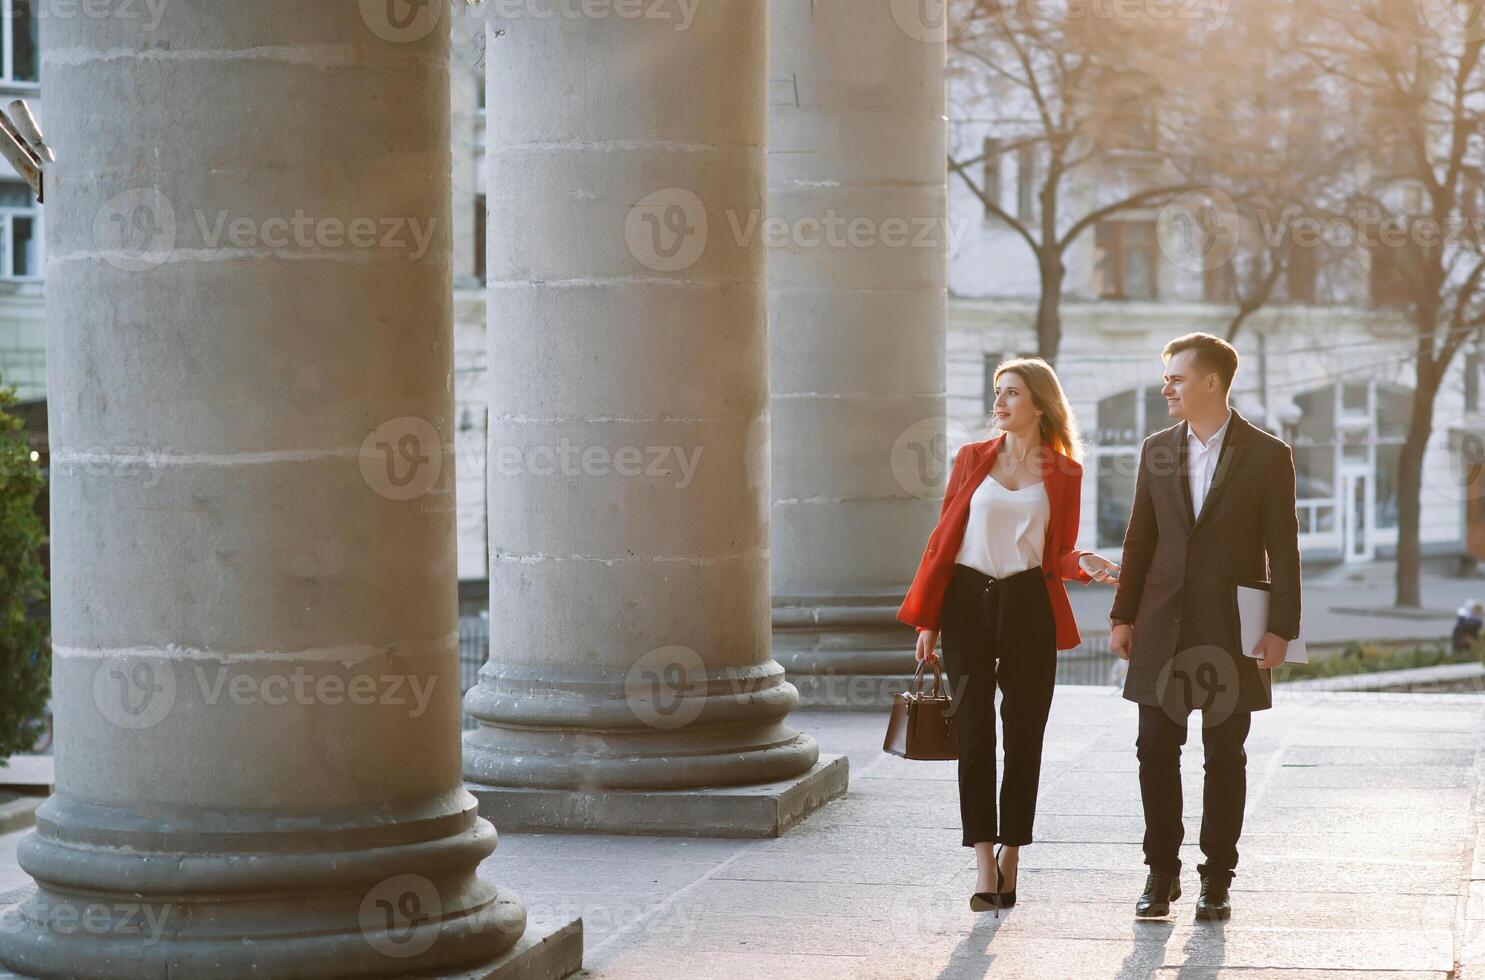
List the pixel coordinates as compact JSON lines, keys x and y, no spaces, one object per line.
{"x":1006,"y":529}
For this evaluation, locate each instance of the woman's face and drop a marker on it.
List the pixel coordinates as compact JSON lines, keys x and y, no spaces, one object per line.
{"x":1013,"y":406}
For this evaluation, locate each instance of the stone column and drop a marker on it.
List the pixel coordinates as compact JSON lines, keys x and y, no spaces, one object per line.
{"x":857,"y":272}
{"x":630,"y":662}
{"x":254,"y":673}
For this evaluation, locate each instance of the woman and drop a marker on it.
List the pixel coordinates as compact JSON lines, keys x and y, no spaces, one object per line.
{"x":990,"y":587}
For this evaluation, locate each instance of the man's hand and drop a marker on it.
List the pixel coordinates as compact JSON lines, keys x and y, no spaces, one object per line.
{"x":1121,"y":640}
{"x":1271,"y":650}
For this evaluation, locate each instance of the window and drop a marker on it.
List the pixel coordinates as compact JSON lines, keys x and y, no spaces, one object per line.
{"x":1394,"y":156}
{"x":990,"y":362}
{"x":479,"y":237}
{"x":1219,"y":284}
{"x":1026,"y":183}
{"x":1393,"y":415}
{"x":1116,"y":475}
{"x":1124,"y":420}
{"x":1138,"y":130}
{"x":1125,"y":259}
{"x":991,"y":176}
{"x":1302,"y":272}
{"x":21,"y":61}
{"x":20,"y":257}
{"x":1396,"y":269}
{"x":1313,"y":439}
{"x":1358,"y":424}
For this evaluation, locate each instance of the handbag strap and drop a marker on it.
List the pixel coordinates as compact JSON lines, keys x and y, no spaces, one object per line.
{"x":938,"y":679}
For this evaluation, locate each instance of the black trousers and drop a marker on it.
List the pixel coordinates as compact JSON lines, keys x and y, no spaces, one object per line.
{"x":999,"y":629}
{"x":1224,"y":788}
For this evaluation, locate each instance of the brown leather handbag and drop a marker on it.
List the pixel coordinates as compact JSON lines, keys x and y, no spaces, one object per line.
{"x":922,"y":725}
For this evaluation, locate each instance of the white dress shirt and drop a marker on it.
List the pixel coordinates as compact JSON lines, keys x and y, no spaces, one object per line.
{"x":1006,"y":528}
{"x":1202,"y":460}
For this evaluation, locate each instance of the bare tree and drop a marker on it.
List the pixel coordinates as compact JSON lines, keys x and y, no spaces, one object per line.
{"x":1071,"y":89}
{"x":1268,"y":120}
{"x":1414,"y":72}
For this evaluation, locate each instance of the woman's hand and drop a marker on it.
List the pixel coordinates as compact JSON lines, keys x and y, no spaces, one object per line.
{"x":927,"y":640}
{"x":1099,"y":567}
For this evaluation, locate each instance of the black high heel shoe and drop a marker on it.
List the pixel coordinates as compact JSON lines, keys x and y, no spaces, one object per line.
{"x":997,"y":899}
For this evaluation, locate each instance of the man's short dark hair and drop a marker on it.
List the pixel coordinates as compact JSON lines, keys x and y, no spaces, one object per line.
{"x":1213,"y":355}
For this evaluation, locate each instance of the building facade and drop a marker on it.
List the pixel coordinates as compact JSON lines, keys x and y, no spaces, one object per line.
{"x":1325,"y":366}
{"x":22,"y":306}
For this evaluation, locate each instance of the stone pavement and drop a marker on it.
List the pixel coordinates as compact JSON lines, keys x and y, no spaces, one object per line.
{"x":1359,"y":859}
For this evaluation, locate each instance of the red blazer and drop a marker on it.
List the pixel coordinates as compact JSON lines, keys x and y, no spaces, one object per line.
{"x":1064,"y":479}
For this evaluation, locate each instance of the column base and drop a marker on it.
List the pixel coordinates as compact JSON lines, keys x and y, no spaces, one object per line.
{"x":124,"y":895}
{"x":756,"y":810}
{"x":541,"y":954}
{"x":849,"y":652}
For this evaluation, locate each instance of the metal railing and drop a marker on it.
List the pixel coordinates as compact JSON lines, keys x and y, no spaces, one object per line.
{"x":1091,"y":663}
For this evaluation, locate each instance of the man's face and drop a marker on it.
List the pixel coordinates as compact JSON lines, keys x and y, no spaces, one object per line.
{"x":1188,"y":390}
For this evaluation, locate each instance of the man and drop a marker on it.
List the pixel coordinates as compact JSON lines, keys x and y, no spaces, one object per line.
{"x":1213,"y":504}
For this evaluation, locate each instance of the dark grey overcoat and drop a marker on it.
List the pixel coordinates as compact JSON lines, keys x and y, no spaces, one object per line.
{"x":1176,"y":579}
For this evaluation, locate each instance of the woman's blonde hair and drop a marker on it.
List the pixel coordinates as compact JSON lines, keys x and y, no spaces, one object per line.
{"x":1059,"y":427}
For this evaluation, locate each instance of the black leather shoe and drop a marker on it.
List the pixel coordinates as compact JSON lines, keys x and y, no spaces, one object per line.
{"x":1160,"y":891}
{"x":1212,"y":903}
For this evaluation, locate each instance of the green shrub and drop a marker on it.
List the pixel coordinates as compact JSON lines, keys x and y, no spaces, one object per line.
{"x":1369,"y":658}
{"x":25,"y":648}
